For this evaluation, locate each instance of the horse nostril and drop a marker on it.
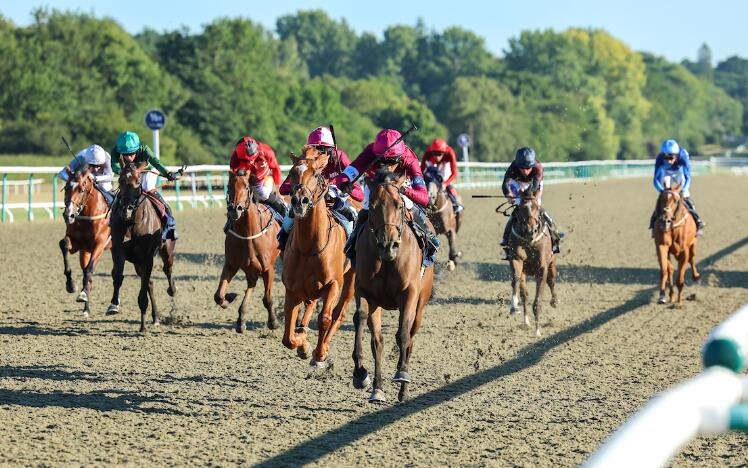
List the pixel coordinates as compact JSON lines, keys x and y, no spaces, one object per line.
{"x":305,"y":200}
{"x":294,"y":200}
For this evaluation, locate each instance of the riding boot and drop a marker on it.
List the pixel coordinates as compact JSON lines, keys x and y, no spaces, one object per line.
{"x":170,"y":225}
{"x":350,"y":245}
{"x":227,"y":225}
{"x":275,"y":202}
{"x":421,"y":220}
{"x":455,"y":204}
{"x":556,"y":236}
{"x":285,"y":230}
{"x":507,"y":230}
{"x":113,"y":209}
{"x":692,"y":209}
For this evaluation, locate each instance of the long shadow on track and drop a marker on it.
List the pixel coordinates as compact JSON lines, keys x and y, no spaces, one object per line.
{"x":314,"y":449}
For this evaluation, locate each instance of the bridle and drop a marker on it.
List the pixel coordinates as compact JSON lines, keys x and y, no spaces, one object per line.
{"x":79,"y":207}
{"x":314,"y":197}
{"x":535,"y":234}
{"x":666,"y":210}
{"x":230,"y":205}
{"x":399,"y":226}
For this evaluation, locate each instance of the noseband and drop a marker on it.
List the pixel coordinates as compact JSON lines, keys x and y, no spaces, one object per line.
{"x":666,"y":210}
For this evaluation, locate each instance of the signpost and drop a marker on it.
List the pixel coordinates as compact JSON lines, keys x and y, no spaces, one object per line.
{"x":155,"y":120}
{"x":463,"y":139}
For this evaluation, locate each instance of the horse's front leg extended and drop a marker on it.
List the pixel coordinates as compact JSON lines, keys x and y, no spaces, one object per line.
{"x":338,"y":313}
{"x":360,"y":374}
{"x":453,"y":255}
{"x":166,"y":252}
{"x":118,"y":275}
{"x":145,"y":286}
{"x":662,"y":258}
{"x":241,"y":320}
{"x":86,"y":261}
{"x":407,"y":305}
{"x":682,"y":262}
{"x":220,"y":296}
{"x":516,"y":279}
{"x":267,"y":299}
{"x":330,"y":295}
{"x":65,"y":247}
{"x":540,"y":280}
{"x":377,"y":347}
{"x":291,"y":340}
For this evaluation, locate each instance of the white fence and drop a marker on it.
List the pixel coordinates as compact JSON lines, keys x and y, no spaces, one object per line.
{"x":214,"y":179}
{"x":711,"y":403}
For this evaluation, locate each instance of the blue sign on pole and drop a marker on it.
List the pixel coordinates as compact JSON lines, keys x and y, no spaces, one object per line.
{"x":155,"y":119}
{"x":463,"y":140}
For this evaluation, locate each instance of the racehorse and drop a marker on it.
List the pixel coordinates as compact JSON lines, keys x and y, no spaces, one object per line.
{"x":86,"y":230}
{"x":251,"y":244}
{"x":136,"y":237}
{"x":674,"y":234}
{"x":389,"y":275}
{"x":441,"y":214}
{"x":314,"y":264}
{"x":531,"y":253}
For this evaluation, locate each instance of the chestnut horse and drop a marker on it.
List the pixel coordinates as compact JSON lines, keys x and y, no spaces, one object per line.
{"x":136,"y":237}
{"x":251,"y":244}
{"x":86,"y":230}
{"x":314,"y":265}
{"x":389,"y":275}
{"x":442,"y":214}
{"x":531,"y":253}
{"x":674,"y":234}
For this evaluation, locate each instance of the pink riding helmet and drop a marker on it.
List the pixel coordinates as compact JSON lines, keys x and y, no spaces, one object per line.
{"x":384,"y":139}
{"x":320,"y":136}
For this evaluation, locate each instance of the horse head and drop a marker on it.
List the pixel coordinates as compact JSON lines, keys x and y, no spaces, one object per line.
{"x":240,"y":194}
{"x":434,"y":182}
{"x":528,"y":213}
{"x":668,"y":203}
{"x":308,"y":186}
{"x":77,"y":191}
{"x":386,"y":212}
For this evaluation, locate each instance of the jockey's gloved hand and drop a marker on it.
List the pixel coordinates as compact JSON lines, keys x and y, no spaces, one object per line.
{"x":402,"y":189}
{"x":172,"y":176}
{"x":346,"y":187}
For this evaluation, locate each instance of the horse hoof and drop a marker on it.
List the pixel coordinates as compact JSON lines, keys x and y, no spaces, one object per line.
{"x":401,"y":377}
{"x":377,"y":396}
{"x":662,"y":299}
{"x":459,"y":254}
{"x":85,"y":314}
{"x":273,"y":324}
{"x":82,"y":297}
{"x":317,"y":365}
{"x":513,"y":310}
{"x":230,"y":297}
{"x":171,"y":291}
{"x":304,"y":351}
{"x":537,"y":333}
{"x":362,"y":381}
{"x":527,"y":321}
{"x":70,"y":286}
{"x":240,"y":328}
{"x":554,"y":302}
{"x":451,"y":265}
{"x":112,"y":309}
{"x":156,"y":324}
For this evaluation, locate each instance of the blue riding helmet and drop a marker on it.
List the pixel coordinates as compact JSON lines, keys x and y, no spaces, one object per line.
{"x":525,"y":157}
{"x":670,"y":147}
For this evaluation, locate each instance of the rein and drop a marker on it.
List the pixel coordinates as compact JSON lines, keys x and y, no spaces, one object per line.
{"x":82,"y":206}
{"x":246,"y":210}
{"x":315,"y":196}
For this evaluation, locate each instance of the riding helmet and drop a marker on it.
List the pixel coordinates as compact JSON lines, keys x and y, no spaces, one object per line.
{"x":670,"y":147}
{"x":127,"y":142}
{"x":525,"y":157}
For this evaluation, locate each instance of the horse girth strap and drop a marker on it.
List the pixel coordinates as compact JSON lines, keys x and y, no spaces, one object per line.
{"x":253,"y":236}
{"x":93,"y":218}
{"x":680,"y":222}
{"x":534,"y":239}
{"x":439,"y":210}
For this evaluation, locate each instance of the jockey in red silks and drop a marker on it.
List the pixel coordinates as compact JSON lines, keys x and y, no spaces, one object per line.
{"x":401,"y":160}
{"x":321,"y":139}
{"x":258,"y":159}
{"x":442,"y":158}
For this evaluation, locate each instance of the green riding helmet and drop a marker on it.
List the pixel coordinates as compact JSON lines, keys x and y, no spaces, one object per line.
{"x":127,"y":142}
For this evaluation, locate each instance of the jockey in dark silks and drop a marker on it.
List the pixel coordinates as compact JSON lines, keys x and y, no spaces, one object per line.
{"x":673,"y":162}
{"x":524,"y":172}
{"x":129,"y":150}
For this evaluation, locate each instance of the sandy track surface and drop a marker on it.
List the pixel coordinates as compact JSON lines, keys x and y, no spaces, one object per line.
{"x":485,"y":391}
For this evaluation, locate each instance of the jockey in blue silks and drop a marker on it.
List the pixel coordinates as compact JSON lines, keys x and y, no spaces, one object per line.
{"x":673,"y":164}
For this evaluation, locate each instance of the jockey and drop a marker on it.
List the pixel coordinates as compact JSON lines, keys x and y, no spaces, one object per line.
{"x":100,"y":164}
{"x":321,"y":138}
{"x":673,"y":162}
{"x":402,"y":161}
{"x":258,"y":159}
{"x":440,"y":155}
{"x":129,"y":149}
{"x":523,"y":172}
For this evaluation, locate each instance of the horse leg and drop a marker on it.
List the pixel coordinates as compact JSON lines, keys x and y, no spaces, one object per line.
{"x":166,"y":252}
{"x":267,"y":299}
{"x":85,"y":258}
{"x":540,"y":279}
{"x":377,"y":346}
{"x":523,"y":295}
{"x":662,"y":258}
{"x":302,"y":324}
{"x":65,"y":247}
{"x":452,"y":249}
{"x":154,"y":309}
{"x":360,"y":374}
{"x":338,"y":313}
{"x":682,"y":261}
{"x":671,"y":283}
{"x":330,"y":296}
{"x":552,"y":273}
{"x":145,"y":279}
{"x":220,"y":297}
{"x":118,"y":275}
{"x":516,"y":277}
{"x":291,"y":340}
{"x":408,"y":306}
{"x":692,"y":259}
{"x":403,"y":395}
{"x":241,"y":320}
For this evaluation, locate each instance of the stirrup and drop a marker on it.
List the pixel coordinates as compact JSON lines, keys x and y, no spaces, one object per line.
{"x":506,"y":254}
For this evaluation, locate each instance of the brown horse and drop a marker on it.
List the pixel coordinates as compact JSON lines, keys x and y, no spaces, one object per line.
{"x":389,"y":275}
{"x":86,"y":230}
{"x":441,"y":213}
{"x":674,"y":234}
{"x":136,"y":237}
{"x":531,"y":253}
{"x":314,"y":265}
{"x":251,"y":244}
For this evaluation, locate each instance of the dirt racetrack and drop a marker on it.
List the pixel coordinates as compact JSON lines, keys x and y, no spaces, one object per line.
{"x":485,"y":392}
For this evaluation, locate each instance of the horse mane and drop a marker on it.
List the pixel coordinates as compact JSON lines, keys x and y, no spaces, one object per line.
{"x":384,"y":176}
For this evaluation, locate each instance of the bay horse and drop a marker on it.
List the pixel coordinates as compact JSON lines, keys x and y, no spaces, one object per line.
{"x":389,"y":275}
{"x":314,"y":264}
{"x":441,"y":213}
{"x":87,"y":230}
{"x":136,"y":237}
{"x":531,"y":253}
{"x":674,"y":234}
{"x":251,"y":245}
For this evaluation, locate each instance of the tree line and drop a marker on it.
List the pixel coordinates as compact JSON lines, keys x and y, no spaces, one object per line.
{"x":578,"y":94}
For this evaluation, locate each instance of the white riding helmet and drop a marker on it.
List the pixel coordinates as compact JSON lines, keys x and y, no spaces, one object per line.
{"x":94,"y":155}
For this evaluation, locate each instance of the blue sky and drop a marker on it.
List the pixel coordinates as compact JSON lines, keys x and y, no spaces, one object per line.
{"x":671,"y":28}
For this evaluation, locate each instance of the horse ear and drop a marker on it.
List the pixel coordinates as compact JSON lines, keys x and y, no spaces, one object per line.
{"x":294,"y":159}
{"x":320,"y":163}
{"x":401,"y":180}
